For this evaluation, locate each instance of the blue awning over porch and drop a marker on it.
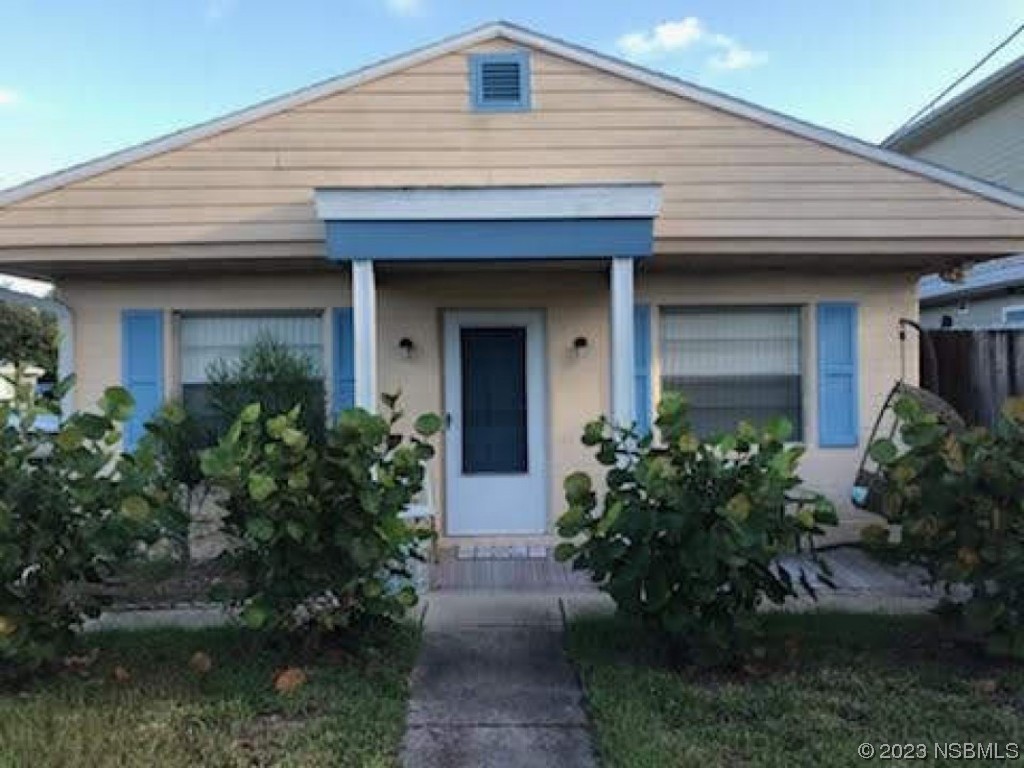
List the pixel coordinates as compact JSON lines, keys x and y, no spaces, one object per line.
{"x":489,"y":223}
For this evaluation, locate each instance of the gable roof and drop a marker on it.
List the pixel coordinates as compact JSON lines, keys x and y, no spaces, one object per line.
{"x":516,"y":34}
{"x":976,"y":100}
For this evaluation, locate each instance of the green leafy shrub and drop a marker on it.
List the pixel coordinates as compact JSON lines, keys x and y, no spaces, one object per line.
{"x":687,"y":533}
{"x":959,"y":502}
{"x":176,"y":438}
{"x":320,"y":541}
{"x":267,"y":372}
{"x":71,"y":506}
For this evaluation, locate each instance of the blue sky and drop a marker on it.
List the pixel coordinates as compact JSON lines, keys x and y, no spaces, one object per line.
{"x":78,"y":79}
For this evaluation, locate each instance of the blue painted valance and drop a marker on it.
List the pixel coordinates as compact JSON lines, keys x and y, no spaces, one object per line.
{"x":478,"y":239}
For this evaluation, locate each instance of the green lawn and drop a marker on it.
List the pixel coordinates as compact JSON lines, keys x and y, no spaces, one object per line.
{"x":351,"y":712}
{"x":829,"y":683}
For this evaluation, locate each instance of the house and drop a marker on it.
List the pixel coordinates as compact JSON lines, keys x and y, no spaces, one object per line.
{"x":979,"y":133}
{"x":519,"y":233}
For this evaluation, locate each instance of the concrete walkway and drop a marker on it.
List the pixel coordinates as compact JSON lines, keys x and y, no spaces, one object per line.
{"x":492,"y":686}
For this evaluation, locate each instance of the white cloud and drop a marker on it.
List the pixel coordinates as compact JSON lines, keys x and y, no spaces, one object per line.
{"x":664,"y":38}
{"x":670,"y":37}
{"x":8,"y":97}
{"x":405,"y":7}
{"x":732,"y":55}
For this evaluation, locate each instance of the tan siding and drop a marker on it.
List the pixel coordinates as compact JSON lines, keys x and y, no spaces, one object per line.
{"x":77,"y":198}
{"x":724,"y":176}
{"x":383,"y":140}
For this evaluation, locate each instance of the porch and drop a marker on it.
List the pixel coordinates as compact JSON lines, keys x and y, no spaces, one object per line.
{"x":511,"y":311}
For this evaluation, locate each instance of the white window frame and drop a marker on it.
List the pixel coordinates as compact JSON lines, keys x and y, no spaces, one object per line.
{"x":805,"y":347}
{"x":177,"y":379}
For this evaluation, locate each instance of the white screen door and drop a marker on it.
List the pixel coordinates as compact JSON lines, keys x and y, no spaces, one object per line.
{"x":495,"y":446}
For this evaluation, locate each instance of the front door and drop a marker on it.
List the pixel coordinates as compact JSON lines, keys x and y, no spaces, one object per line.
{"x":495,"y":446}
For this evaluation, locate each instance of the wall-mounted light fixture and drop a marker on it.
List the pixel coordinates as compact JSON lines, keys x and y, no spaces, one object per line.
{"x":406,"y":347}
{"x":580,"y":345}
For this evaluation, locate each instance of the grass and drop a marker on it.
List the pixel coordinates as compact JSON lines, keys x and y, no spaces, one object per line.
{"x":829,"y":683}
{"x":351,"y":711}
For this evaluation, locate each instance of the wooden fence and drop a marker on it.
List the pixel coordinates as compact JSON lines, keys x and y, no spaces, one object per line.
{"x":975,"y":371}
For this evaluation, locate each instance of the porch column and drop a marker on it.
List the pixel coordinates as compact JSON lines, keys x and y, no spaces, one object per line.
{"x":364,"y":331}
{"x":623,"y":401}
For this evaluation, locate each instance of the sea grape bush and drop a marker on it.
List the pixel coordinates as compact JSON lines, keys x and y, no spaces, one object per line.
{"x":688,"y":531}
{"x":320,"y":541}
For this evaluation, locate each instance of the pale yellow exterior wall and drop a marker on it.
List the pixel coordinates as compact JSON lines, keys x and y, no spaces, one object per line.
{"x":96,"y":306}
{"x":882,"y":300}
{"x":574,"y":302}
{"x":724,"y":176}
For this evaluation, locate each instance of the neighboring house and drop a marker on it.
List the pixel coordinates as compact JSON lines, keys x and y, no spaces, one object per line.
{"x":979,"y":133}
{"x":520,"y":233}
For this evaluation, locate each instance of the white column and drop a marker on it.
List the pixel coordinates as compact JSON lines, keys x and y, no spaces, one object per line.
{"x":364,"y":331}
{"x":623,"y":401}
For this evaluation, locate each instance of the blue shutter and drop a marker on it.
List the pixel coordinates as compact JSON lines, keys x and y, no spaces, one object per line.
{"x":642,"y":366}
{"x":837,"y":375}
{"x":343,"y":366}
{"x":142,"y":366}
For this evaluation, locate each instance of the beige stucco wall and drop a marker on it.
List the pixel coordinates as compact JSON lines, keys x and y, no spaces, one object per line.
{"x":96,"y":306}
{"x":882,"y":299}
{"x":575,"y":303}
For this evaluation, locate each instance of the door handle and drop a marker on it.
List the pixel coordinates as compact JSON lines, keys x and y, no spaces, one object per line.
{"x":447,"y":420}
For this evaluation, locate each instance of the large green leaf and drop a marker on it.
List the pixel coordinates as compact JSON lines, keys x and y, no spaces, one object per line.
{"x":117,"y":403}
{"x":250,"y":414}
{"x":428,"y":424}
{"x":578,"y":487}
{"x":260,"y":528}
{"x":261,"y":486}
{"x":136,"y":508}
{"x":738,"y":508}
{"x":883,"y":451}
{"x":564,"y":551}
{"x":256,"y":615}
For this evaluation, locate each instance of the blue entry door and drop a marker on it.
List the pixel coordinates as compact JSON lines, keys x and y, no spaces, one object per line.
{"x":495,"y":446}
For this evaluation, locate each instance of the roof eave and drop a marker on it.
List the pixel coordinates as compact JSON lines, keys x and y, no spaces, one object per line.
{"x":975,"y":101}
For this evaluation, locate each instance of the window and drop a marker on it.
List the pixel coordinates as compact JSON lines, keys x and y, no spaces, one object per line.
{"x":733,"y":364}
{"x":499,"y":82}
{"x":207,"y":338}
{"x":1013,"y":316}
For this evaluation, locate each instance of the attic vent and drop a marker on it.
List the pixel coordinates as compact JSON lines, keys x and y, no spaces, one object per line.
{"x":499,"y":82}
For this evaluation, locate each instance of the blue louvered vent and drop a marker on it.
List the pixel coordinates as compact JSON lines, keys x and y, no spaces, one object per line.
{"x":499,"y":82}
